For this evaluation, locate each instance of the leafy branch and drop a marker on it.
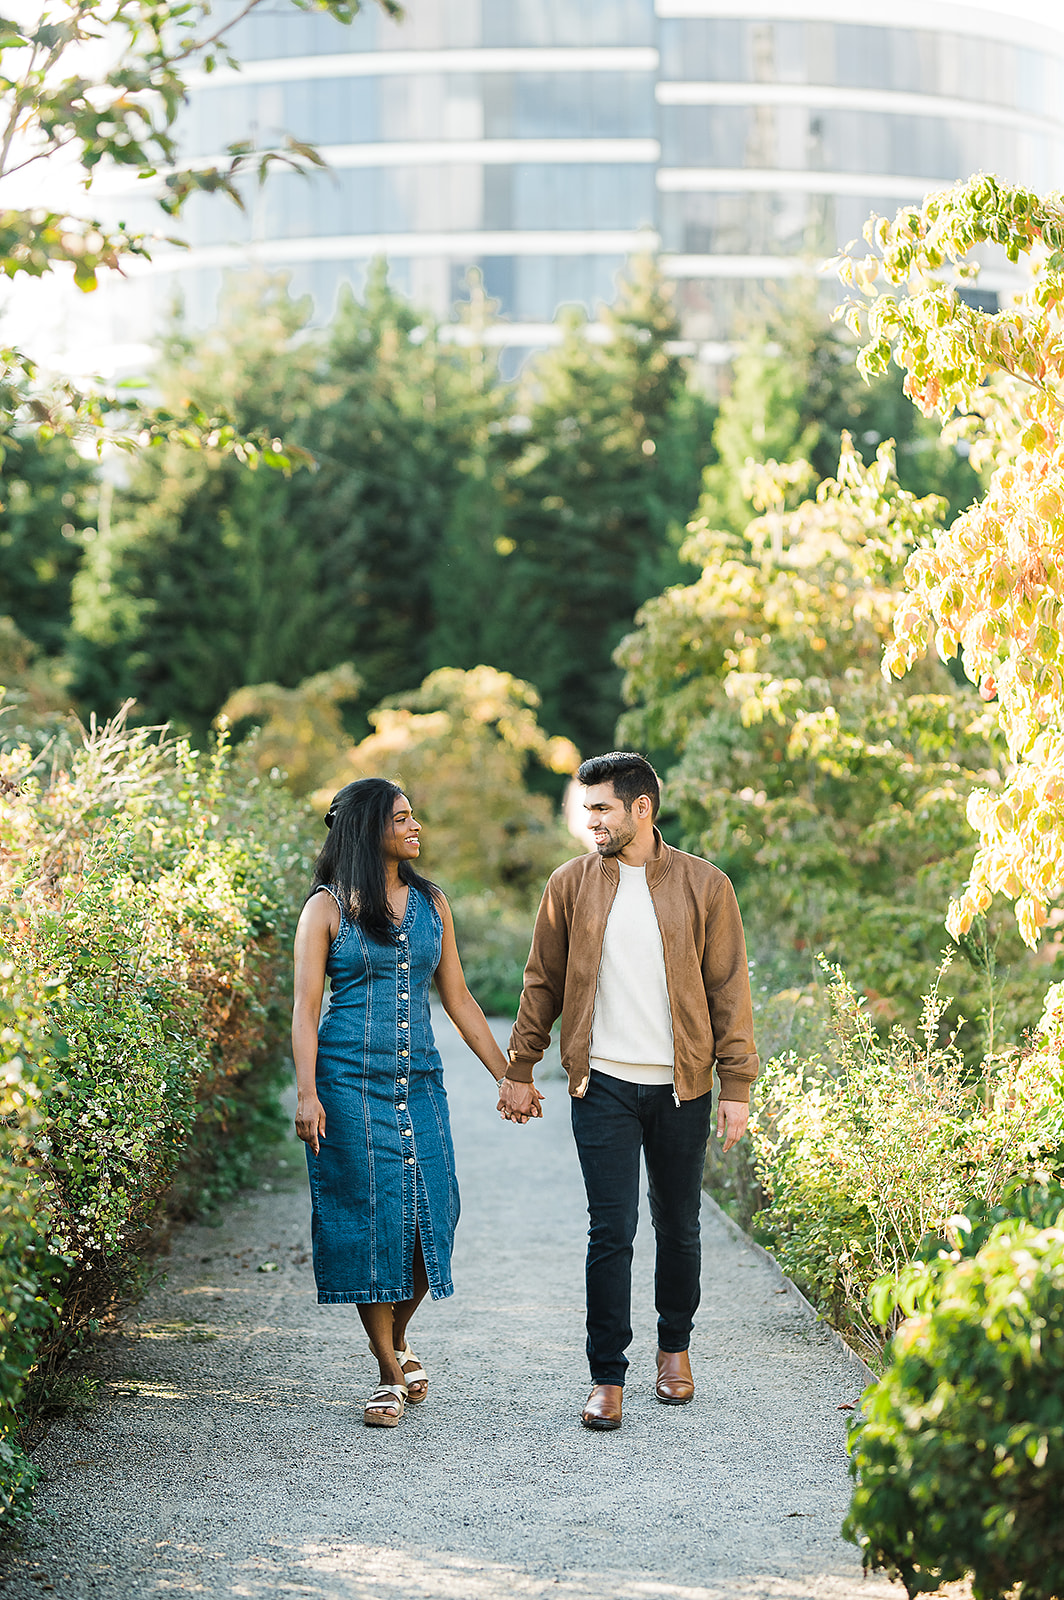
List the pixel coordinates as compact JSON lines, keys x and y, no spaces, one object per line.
{"x":105,"y":81}
{"x":991,"y":586}
{"x":126,"y":422}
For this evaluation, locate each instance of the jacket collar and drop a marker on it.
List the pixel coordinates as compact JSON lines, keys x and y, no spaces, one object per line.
{"x":657,"y":866}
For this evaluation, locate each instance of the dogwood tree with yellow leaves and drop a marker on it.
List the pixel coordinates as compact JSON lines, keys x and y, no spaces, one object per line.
{"x":990,"y":586}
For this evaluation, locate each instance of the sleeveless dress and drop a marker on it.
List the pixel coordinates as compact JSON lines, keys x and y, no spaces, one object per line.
{"x":385,"y":1170}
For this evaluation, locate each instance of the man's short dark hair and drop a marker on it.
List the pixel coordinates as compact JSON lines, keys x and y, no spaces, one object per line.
{"x":630,"y":773}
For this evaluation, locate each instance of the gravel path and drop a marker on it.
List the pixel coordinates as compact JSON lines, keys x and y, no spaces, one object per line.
{"x":227,"y":1455}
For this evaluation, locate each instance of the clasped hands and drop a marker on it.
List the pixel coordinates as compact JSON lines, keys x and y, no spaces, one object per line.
{"x":518,"y":1101}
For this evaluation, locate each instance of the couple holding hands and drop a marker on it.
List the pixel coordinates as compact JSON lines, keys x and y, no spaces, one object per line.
{"x":638,"y":948}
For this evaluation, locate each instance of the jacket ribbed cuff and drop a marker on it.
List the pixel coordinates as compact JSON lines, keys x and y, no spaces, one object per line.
{"x":730,"y":1088}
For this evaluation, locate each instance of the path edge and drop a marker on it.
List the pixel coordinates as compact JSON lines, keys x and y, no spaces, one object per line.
{"x":718,"y":1213}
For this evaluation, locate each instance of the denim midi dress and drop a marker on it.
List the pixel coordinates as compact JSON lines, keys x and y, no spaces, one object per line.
{"x":385,"y":1169}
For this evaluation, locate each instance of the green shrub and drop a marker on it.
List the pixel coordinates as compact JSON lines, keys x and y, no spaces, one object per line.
{"x":787,"y":1021}
{"x":28,"y":1050}
{"x":150,"y":894}
{"x":865,"y":1149}
{"x":965,"y":1233}
{"x":959,"y":1457}
{"x":493,"y":940}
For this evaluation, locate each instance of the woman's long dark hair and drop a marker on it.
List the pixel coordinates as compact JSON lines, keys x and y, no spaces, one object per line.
{"x":352,"y":858}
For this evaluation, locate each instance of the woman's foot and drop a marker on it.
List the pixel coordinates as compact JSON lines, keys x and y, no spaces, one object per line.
{"x":414,"y":1375}
{"x":385,"y":1406}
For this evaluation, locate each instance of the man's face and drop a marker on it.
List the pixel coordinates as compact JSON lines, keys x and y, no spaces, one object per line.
{"x":612,"y":827}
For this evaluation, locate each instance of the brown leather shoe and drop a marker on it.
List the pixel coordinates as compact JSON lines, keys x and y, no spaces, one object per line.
{"x":603,"y":1409}
{"x":675,"y":1385}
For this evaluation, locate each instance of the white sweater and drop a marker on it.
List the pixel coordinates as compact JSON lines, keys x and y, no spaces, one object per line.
{"x":631,"y":1036}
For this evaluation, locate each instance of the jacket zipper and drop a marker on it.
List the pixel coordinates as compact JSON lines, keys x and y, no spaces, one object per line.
{"x":594,"y":997}
{"x":668,"y":991}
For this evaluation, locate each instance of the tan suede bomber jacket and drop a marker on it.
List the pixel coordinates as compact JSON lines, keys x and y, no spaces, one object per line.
{"x":705,"y":971}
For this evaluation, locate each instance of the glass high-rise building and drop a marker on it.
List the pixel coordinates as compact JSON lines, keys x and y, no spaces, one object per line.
{"x":544,"y":140}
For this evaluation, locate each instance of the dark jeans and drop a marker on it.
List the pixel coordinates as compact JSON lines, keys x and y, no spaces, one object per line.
{"x":611,"y":1123}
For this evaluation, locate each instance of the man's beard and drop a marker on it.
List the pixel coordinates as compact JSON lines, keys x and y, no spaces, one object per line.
{"x":616,"y":843}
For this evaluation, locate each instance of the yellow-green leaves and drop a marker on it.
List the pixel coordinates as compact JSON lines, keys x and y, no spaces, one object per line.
{"x":834,"y":799}
{"x":991,"y":585}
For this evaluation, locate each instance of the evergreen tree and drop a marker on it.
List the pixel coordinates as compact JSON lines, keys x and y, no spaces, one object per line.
{"x":209,"y":577}
{"x":408,"y":416}
{"x":604,"y":471}
{"x":201,"y":579}
{"x":795,"y":389}
{"x":472,"y":607}
{"x":471,"y":621}
{"x":44,"y":488}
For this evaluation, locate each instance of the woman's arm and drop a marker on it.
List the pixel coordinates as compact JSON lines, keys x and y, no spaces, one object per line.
{"x":472,"y":1024}
{"x":319,"y":923}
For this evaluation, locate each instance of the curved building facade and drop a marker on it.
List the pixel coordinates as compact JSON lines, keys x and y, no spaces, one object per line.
{"x":544,"y":140}
{"x":784,"y":126}
{"x":519,"y":136}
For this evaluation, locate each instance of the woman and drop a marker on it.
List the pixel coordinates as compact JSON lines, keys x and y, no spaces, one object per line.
{"x":372,"y":1107}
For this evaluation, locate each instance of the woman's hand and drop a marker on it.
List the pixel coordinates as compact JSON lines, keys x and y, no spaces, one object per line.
{"x":310,"y":1120}
{"x":319,"y":922}
{"x":518,"y":1101}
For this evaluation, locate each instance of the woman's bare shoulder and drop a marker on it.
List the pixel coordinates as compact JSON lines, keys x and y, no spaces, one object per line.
{"x":321,"y":914}
{"x":439,"y":900}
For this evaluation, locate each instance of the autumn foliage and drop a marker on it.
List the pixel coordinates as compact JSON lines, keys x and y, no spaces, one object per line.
{"x":991,"y":585}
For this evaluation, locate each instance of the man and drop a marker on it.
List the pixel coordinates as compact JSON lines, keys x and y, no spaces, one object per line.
{"x":639,"y":949}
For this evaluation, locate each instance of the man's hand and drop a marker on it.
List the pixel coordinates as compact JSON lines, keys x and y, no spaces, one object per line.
{"x":518,"y":1101}
{"x":732,"y":1117}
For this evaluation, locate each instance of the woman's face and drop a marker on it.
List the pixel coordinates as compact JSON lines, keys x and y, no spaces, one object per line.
{"x":402,"y":841}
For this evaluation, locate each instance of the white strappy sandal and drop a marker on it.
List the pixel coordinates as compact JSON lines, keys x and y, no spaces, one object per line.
{"x":419,"y":1375}
{"x":385,"y":1406}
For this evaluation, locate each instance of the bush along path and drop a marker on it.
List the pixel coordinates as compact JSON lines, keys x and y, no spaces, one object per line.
{"x":226,"y":1454}
{"x":145,"y":892}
